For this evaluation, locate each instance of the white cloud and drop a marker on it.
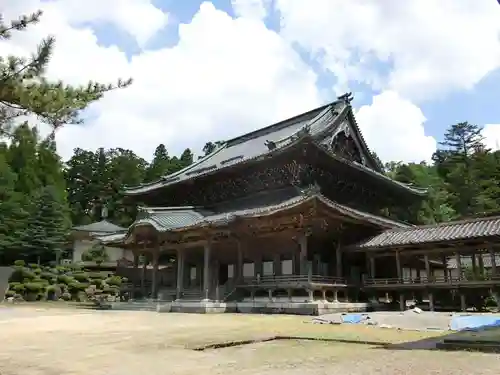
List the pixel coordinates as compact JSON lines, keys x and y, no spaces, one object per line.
{"x":394,"y":127}
{"x":491,"y":133}
{"x":256,"y":9}
{"x":434,"y":46}
{"x":227,"y":76}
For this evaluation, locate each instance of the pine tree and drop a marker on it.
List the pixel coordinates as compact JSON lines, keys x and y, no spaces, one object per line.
{"x":48,"y":226}
{"x":160,"y":165}
{"x":461,"y":142}
{"x":24,"y":89}
{"x":23,"y":159}
{"x":12,"y":215}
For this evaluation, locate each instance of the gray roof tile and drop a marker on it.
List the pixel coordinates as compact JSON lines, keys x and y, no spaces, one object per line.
{"x":171,"y":219}
{"x":451,"y":231}
{"x":251,"y":146}
{"x":102,"y":226}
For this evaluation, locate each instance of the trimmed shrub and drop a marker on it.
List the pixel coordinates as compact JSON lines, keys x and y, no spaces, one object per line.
{"x":34,"y":287}
{"x":66,"y":296}
{"x":114,"y":280}
{"x":19,"y":263}
{"x":81,"y":277}
{"x":10,"y":293}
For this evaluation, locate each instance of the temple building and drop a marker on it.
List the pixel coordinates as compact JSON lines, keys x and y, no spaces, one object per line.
{"x":292,"y":218}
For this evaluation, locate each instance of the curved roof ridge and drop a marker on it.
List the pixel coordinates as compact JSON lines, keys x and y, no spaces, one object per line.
{"x":450,"y":223}
{"x":278,"y":125}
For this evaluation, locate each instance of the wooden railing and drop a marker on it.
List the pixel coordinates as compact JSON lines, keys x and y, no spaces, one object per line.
{"x":271,"y":280}
{"x":429,"y":280}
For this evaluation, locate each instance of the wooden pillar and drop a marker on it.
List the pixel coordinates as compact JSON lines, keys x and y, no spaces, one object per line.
{"x":398,"y":265}
{"x":372,"y":267}
{"x":445,"y":265}
{"x":143,"y":274}
{"x":338,"y":260}
{"x":431,"y":301}
{"x":459,"y":266}
{"x":135,"y":273}
{"x":154,"y":282}
{"x":427,"y":268}
{"x":180,"y":274}
{"x":474,"y":266}
{"x":303,"y":253}
{"x":463,"y":301}
{"x":493,"y":261}
{"x":206,"y":270}
{"x":480,"y":263}
{"x":277,"y":265}
{"x":239,"y":263}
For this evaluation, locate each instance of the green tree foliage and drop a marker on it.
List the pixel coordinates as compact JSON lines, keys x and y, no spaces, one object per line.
{"x":25,"y":90}
{"x":12,"y":214}
{"x":97,"y":253}
{"x":47,"y":226}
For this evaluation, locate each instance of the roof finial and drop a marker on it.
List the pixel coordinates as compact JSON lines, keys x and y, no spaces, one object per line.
{"x":346,"y":98}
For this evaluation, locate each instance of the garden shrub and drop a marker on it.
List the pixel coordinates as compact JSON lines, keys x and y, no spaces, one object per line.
{"x":66,"y":296}
{"x":10,"y":293}
{"x":114,"y":280}
{"x":81,"y":276}
{"x":19,"y":263}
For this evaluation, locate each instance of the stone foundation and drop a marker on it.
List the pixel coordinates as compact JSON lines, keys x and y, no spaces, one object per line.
{"x":260,"y":307}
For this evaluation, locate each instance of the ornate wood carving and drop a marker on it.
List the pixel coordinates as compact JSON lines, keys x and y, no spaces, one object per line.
{"x":344,"y":146}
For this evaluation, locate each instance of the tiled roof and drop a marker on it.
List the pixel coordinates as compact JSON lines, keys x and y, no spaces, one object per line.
{"x":184,"y":218}
{"x":451,"y":231}
{"x":252,"y":146}
{"x":102,"y":226}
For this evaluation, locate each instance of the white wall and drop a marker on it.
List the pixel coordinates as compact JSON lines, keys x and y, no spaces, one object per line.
{"x":114,"y":254}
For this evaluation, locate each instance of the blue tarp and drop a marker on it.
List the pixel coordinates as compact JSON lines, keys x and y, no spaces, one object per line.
{"x":459,"y":323}
{"x":353,"y":318}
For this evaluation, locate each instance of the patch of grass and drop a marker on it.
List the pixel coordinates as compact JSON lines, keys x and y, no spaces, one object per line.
{"x":227,"y":328}
{"x":484,"y":335}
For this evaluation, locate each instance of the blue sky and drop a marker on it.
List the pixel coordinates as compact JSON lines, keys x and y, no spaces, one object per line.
{"x":414,"y":67}
{"x":477,"y":105}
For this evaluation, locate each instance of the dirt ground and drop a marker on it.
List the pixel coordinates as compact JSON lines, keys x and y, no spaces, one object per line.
{"x":67,"y":341}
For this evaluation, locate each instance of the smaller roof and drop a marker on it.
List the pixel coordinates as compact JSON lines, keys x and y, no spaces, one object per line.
{"x":175,"y":219}
{"x":451,"y":231}
{"x":102,"y":226}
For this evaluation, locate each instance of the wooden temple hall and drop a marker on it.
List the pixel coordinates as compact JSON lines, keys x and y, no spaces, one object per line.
{"x":289,"y":218}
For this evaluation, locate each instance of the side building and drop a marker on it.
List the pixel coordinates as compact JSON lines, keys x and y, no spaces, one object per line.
{"x":274,"y":220}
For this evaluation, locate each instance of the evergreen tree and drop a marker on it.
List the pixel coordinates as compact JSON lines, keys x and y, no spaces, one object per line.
{"x":461,"y":142}
{"x":23,"y":159}
{"x":211,"y":147}
{"x":24,"y":90}
{"x":48,"y":226}
{"x":160,"y":166}
{"x":186,"y":158}
{"x":48,"y":165}
{"x":12,"y":215}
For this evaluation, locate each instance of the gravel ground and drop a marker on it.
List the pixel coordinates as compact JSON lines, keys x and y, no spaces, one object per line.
{"x":59,"y":342}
